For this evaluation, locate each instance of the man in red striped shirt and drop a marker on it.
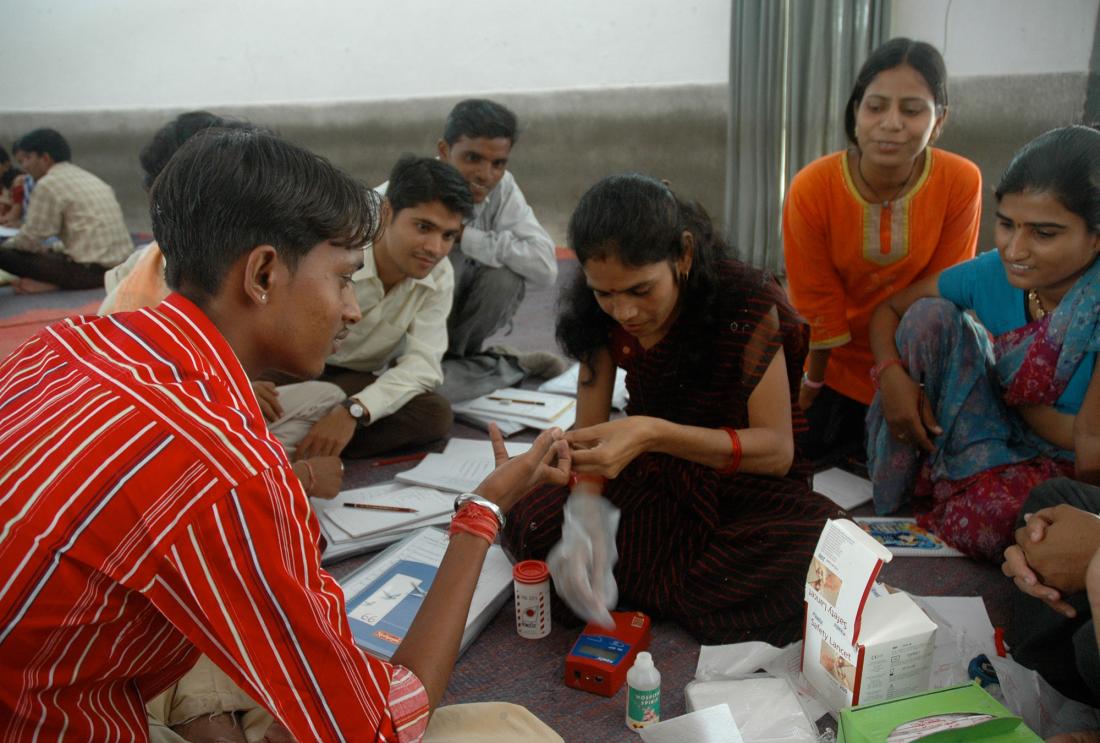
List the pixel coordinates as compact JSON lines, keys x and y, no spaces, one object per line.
{"x":146,"y":514}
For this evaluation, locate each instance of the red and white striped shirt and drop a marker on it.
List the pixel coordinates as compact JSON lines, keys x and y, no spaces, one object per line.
{"x":146,"y":514}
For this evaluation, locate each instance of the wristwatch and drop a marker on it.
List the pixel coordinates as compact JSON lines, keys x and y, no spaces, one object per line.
{"x":478,"y":500}
{"x":355,"y":409}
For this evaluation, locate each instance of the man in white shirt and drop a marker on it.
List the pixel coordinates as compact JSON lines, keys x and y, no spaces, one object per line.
{"x":378,"y":384}
{"x":500,"y":249}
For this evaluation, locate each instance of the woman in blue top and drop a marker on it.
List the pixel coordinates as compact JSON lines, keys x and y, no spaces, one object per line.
{"x":986,"y":371}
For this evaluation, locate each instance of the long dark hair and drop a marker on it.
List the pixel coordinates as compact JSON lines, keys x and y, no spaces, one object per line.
{"x":639,"y":221}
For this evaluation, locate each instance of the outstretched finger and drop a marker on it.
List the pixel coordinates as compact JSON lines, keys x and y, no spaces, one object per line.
{"x":500,"y":453}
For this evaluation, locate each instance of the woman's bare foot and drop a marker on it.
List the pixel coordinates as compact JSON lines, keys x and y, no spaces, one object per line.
{"x":31,"y":286}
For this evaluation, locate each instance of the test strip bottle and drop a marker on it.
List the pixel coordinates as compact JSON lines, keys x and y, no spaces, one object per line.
{"x":532,"y":585}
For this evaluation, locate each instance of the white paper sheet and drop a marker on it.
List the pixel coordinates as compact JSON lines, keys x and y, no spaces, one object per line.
{"x":843,"y":488}
{"x":460,"y":468}
{"x":711,"y":725}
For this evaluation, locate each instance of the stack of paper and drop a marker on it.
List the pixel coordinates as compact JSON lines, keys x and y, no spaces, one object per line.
{"x":460,"y":468}
{"x":514,"y":409}
{"x":350,"y":531}
{"x":566,"y":384}
{"x":384,"y":595}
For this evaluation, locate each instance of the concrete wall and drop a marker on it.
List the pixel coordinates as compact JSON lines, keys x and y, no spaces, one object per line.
{"x":569,"y":139}
{"x":1016,"y":69}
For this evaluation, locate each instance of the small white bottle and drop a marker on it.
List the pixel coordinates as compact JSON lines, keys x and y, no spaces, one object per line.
{"x":643,"y":693}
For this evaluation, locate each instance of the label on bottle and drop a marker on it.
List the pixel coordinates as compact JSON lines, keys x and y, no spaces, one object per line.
{"x":642,"y":707}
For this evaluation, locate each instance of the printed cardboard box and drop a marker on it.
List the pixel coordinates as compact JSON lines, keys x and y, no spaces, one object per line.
{"x":860,"y":643}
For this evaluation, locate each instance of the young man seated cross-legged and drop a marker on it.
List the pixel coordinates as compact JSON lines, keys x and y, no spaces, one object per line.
{"x":377,"y":389}
{"x":150,"y":516}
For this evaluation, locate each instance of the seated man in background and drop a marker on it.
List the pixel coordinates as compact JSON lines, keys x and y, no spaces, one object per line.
{"x":73,"y":230}
{"x":1053,"y":628}
{"x":378,"y":386}
{"x":149,"y":514}
{"x":501,"y":248}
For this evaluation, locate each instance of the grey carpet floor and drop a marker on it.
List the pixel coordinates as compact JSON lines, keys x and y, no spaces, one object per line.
{"x":501,"y":666}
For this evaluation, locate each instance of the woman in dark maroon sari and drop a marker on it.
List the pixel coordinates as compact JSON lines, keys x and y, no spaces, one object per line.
{"x":717,"y":519}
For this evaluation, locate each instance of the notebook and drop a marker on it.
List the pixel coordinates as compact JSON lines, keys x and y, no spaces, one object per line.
{"x":460,"y":467}
{"x":385,"y":594}
{"x":350,"y":531}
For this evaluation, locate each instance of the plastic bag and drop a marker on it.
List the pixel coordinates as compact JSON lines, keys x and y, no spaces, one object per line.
{"x":581,"y":562}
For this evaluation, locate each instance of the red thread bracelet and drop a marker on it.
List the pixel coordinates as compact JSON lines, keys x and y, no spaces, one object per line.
{"x":476,"y":520}
{"x":576,"y":478}
{"x":735,"y":456}
{"x":882,"y":366}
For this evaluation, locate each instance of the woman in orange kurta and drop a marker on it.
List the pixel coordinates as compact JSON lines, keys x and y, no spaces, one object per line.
{"x":866,"y":222}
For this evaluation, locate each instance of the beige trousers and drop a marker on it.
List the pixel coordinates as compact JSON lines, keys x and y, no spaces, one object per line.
{"x":206,"y":690}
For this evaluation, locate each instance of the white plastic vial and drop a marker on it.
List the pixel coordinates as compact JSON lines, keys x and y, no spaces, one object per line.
{"x":643,"y":693}
{"x":532,"y":586}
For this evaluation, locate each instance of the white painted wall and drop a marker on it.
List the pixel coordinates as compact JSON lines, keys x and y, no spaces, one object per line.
{"x":107,"y":54}
{"x":1002,"y":37}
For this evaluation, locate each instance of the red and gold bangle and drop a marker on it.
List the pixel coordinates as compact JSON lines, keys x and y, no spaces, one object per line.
{"x":735,"y":456}
{"x":477,"y":520}
{"x":882,"y":366}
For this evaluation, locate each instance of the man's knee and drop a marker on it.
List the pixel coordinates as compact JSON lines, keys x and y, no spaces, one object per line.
{"x":496,"y":287}
{"x":433,"y":415}
{"x":1058,"y":491}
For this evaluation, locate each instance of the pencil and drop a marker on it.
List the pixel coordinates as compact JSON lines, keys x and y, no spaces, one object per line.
{"x":398,"y":460}
{"x":515,"y":399}
{"x":376,"y":507}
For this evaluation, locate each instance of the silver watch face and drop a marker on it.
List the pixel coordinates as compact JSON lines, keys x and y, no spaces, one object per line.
{"x":356,"y":410}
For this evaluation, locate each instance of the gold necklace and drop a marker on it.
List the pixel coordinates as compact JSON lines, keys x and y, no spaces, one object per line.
{"x":1040,"y":310}
{"x":897,"y":193}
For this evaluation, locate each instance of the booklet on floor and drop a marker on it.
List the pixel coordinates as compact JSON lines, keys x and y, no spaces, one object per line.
{"x":513,"y":409}
{"x":384,"y":595}
{"x":460,"y":468}
{"x":861,"y":643}
{"x":351,"y":531}
{"x":903,"y":537}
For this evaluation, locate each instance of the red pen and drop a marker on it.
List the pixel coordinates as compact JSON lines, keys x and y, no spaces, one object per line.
{"x":398,"y":460}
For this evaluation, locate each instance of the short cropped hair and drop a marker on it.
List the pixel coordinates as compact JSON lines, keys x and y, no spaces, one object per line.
{"x":421,"y":180}
{"x":480,"y":118}
{"x":227,"y":191}
{"x":156,"y":154}
{"x":44,"y":142}
{"x":4,"y":156}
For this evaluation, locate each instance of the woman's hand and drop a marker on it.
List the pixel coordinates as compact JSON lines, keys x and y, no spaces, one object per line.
{"x":547,"y":461}
{"x":807,"y":395}
{"x":607,"y":448}
{"x":907,"y":411}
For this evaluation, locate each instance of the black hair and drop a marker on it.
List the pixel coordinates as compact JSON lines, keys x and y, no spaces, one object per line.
{"x":4,"y":156}
{"x":480,"y":118}
{"x":44,"y":142}
{"x":228,"y":190}
{"x":639,"y":221}
{"x":421,"y":180}
{"x":920,"y":55}
{"x":8,"y":177}
{"x":159,"y":150}
{"x":1063,"y":162}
